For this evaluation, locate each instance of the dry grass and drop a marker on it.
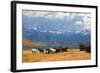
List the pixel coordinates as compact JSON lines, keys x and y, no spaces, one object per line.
{"x":64,"y":56}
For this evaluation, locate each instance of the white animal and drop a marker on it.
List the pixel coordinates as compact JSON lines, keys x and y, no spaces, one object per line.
{"x":35,"y":50}
{"x":52,"y":50}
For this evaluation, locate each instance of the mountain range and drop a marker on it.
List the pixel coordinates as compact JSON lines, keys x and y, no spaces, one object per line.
{"x":50,"y":38}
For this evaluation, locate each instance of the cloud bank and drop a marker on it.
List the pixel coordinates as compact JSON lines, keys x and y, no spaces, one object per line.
{"x":57,"y":22}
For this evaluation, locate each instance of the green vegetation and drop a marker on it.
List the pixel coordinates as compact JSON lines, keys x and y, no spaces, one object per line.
{"x":86,"y":48}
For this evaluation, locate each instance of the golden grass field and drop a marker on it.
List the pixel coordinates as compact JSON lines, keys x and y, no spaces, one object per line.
{"x":28,"y":56}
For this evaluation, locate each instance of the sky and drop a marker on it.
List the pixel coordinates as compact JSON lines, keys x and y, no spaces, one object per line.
{"x":57,"y":22}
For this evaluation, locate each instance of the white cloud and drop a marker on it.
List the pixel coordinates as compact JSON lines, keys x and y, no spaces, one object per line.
{"x":60,"y":15}
{"x":49,"y":15}
{"x":52,"y":31}
{"x":34,"y":13}
{"x":77,"y":32}
{"x":42,"y":31}
{"x":40,"y":14}
{"x":69,"y":31}
{"x":59,"y":32}
{"x":34,"y":28}
{"x":82,"y":14}
{"x":56,"y":15}
{"x":28,"y":13}
{"x":87,"y":22}
{"x":56,"y":32}
{"x":67,"y":14}
{"x":83,"y":24}
{"x":78,"y":23}
{"x":72,"y":16}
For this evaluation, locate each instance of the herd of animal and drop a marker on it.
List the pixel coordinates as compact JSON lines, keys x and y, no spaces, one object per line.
{"x":50,"y":50}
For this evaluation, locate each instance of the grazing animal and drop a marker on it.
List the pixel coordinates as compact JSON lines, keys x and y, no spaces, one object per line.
{"x":35,"y":51}
{"x":41,"y":51}
{"x":58,"y":50}
{"x":61,"y":49}
{"x":64,"y":49}
{"x":51,"y":50}
{"x":45,"y":51}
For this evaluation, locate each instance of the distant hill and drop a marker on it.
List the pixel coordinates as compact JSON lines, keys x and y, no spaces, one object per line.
{"x":27,"y":42}
{"x":50,"y":37}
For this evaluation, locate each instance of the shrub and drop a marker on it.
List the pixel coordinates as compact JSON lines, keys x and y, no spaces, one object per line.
{"x":84,"y":47}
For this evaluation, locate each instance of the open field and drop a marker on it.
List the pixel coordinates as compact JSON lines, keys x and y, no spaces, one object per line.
{"x":28,"y":56}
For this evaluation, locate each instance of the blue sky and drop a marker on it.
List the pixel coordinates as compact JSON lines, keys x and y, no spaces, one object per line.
{"x":57,"y":22}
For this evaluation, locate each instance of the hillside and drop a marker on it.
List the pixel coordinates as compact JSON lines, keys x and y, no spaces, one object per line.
{"x":27,"y":42}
